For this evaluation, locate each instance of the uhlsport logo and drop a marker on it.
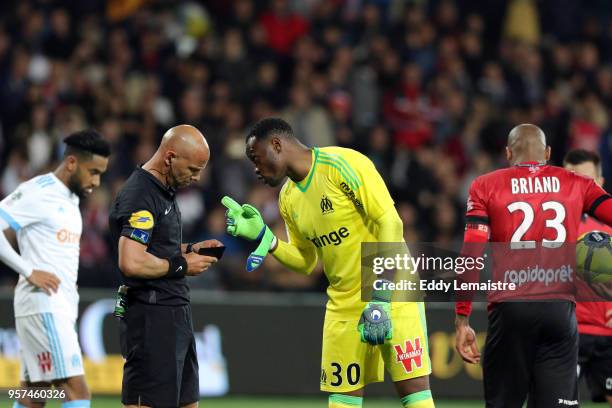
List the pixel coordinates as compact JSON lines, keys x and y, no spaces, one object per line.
{"x":326,"y":205}
{"x":351,"y":195}
{"x":412,"y":352}
{"x":323,"y":376}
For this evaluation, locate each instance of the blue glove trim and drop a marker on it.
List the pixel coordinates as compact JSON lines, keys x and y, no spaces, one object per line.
{"x":253,"y":262}
{"x":261,"y":234}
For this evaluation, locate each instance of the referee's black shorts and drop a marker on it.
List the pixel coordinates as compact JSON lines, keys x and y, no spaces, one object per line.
{"x":531,"y":354}
{"x":161,"y":368}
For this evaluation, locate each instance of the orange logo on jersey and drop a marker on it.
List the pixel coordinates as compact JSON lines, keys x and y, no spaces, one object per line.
{"x":66,"y":237}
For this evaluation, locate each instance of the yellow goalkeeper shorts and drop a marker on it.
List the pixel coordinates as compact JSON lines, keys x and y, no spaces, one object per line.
{"x":347,"y":364}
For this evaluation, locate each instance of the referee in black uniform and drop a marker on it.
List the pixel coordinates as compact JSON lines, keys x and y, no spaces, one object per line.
{"x":161,"y":367}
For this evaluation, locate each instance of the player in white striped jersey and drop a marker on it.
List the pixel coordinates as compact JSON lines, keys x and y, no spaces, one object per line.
{"x":44,"y":212}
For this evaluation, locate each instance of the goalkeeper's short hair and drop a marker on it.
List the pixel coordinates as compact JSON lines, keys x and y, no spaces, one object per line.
{"x":271,"y":126}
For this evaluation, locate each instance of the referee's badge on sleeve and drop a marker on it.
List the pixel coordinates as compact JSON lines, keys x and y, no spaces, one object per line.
{"x":140,"y":236}
{"x":142,"y":220}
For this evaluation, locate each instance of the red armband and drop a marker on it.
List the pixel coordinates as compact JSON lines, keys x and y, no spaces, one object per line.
{"x":602,"y":209}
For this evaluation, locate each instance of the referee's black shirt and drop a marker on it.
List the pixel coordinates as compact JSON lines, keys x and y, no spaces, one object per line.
{"x":145,"y":210}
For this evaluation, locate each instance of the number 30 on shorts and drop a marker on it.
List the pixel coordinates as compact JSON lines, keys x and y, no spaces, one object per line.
{"x":351,"y":374}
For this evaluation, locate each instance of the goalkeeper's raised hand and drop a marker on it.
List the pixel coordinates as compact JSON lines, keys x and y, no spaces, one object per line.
{"x":375,"y":325}
{"x":245,"y":221}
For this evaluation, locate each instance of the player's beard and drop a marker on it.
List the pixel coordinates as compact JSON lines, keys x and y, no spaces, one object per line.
{"x":76,"y":186}
{"x":274,"y":182}
{"x":277,"y":178}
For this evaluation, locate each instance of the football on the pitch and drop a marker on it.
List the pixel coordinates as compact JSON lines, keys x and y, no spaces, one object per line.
{"x":594,"y":257}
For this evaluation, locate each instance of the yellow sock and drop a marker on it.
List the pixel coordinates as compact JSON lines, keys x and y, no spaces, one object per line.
{"x":421,"y":399}
{"x":344,"y":401}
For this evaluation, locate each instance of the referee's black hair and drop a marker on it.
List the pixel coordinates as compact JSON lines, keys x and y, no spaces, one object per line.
{"x":85,"y":143}
{"x":270,"y":126}
{"x":579,"y":156}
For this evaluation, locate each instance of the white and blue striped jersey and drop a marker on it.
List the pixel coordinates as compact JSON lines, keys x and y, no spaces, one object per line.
{"x":46,"y":216}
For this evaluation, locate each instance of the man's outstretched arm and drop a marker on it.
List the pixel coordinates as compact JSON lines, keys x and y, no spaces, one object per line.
{"x":299,"y":259}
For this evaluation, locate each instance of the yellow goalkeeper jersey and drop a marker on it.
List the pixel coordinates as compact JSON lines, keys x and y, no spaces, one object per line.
{"x":335,"y":208}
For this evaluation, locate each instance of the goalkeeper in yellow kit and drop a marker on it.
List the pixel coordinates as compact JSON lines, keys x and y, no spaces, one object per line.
{"x":332,"y":201}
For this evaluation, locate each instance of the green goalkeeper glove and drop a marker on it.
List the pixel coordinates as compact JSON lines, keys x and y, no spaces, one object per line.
{"x":375,"y":323}
{"x":245,"y":221}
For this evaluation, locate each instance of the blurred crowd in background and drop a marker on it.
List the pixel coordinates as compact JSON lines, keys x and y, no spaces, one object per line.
{"x":427,"y":89}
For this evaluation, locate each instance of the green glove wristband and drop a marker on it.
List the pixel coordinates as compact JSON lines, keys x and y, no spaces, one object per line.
{"x":256,"y":258}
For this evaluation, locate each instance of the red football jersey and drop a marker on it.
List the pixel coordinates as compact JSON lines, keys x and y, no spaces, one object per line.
{"x":592,"y":315}
{"x":531,"y":205}
{"x":532,"y":202}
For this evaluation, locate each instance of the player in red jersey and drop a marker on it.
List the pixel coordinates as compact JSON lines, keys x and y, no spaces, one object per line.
{"x":531,"y":348}
{"x":594,"y":318}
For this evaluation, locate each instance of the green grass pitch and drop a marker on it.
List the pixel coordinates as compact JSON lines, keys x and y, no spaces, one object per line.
{"x":281,"y":402}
